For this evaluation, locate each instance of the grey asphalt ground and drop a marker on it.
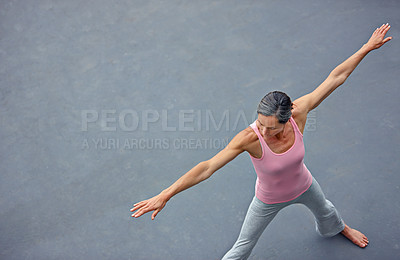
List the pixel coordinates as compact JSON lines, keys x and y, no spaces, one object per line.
{"x":107,"y":103}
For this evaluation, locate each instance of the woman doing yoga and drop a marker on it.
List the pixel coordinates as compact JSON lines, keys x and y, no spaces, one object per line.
{"x":275,"y":145}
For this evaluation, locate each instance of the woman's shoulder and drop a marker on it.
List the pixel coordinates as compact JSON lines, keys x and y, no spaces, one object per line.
{"x":248,"y":138}
{"x":300,"y":117}
{"x":244,"y":138}
{"x":248,"y":135}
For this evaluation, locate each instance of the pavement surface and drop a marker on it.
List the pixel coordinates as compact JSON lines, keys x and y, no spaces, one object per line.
{"x":107,"y":103}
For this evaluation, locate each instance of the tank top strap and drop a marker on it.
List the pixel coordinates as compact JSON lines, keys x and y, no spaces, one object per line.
{"x":260,"y":139}
{"x":295,"y":126}
{"x":255,"y":128}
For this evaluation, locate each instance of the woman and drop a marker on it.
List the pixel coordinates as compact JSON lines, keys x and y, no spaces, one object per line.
{"x":275,"y":145}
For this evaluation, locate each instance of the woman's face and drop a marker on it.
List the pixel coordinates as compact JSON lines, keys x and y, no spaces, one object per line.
{"x":269,"y":125}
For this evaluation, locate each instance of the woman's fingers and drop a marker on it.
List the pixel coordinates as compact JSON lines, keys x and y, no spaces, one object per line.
{"x":155,"y":214}
{"x":141,"y":212}
{"x":385,"y":28}
{"x":138,"y":205}
{"x":378,"y":31}
{"x":378,"y":37}
{"x":135,"y":208}
{"x":155,"y":204}
{"x":382,"y":28}
{"x":142,"y":208}
{"x":387,"y":39}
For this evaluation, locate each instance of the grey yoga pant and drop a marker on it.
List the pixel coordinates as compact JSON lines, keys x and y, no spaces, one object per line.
{"x":259,"y":215}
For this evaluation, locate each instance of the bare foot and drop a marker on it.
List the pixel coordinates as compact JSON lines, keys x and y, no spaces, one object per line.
{"x":355,"y":236}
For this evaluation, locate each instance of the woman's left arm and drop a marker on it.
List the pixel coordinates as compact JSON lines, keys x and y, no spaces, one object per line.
{"x":339,"y":75}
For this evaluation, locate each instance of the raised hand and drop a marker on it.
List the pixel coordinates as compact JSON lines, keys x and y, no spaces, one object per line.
{"x":378,"y":37}
{"x":155,"y":204}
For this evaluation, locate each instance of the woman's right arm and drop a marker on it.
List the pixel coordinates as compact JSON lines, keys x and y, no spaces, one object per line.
{"x":197,"y":174}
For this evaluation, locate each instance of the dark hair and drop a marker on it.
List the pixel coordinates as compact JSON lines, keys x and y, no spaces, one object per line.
{"x":277,"y":104}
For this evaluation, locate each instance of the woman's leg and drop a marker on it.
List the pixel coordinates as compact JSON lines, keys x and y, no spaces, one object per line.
{"x":327,"y":218}
{"x":258,"y":216}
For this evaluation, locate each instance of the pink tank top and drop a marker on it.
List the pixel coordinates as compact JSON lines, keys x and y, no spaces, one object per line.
{"x":281,"y":177}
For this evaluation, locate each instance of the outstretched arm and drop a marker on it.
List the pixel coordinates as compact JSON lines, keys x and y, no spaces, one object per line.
{"x":197,"y":174}
{"x":339,"y":75}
